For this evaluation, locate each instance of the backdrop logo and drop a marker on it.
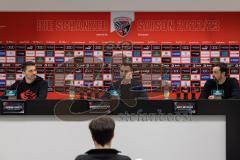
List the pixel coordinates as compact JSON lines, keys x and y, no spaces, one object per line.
{"x":122,"y":25}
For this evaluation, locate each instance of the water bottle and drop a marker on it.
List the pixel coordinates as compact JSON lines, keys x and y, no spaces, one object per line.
{"x":71,"y":92}
{"x":166,"y":88}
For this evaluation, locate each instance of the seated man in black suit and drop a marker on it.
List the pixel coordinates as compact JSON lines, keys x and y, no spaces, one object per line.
{"x":102,"y":130}
{"x":126,"y":87}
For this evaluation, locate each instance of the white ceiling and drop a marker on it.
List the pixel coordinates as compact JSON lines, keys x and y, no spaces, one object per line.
{"x":120,"y":5}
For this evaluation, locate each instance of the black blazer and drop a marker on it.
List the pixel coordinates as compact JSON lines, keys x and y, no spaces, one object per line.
{"x":132,"y":91}
{"x":102,"y":154}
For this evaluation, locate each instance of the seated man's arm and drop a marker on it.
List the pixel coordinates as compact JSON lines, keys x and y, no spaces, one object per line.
{"x":42,"y":94}
{"x":139,"y":89}
{"x":107,"y":94}
{"x":235,"y":89}
{"x":206,"y":91}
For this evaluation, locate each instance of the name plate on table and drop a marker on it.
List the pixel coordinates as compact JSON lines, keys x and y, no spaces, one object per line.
{"x":13,"y":107}
{"x":11,"y":94}
{"x":100,"y":107}
{"x":184,"y":107}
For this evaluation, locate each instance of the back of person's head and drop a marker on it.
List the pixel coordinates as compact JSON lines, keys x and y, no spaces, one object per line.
{"x":102,"y":130}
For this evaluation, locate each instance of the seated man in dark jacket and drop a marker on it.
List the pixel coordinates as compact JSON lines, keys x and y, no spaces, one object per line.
{"x":32,"y":86}
{"x":102,"y":130}
{"x":221,"y":86}
{"x":126,"y":87}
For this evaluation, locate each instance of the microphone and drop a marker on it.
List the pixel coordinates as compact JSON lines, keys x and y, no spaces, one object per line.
{"x":217,"y":94}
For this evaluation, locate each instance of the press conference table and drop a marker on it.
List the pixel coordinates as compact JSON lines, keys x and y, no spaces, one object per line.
{"x":203,"y":107}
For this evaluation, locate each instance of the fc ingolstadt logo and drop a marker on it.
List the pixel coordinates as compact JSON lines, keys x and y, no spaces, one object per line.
{"x":122,"y":25}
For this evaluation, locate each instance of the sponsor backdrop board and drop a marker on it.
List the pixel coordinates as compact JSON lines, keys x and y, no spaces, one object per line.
{"x":86,"y":49}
